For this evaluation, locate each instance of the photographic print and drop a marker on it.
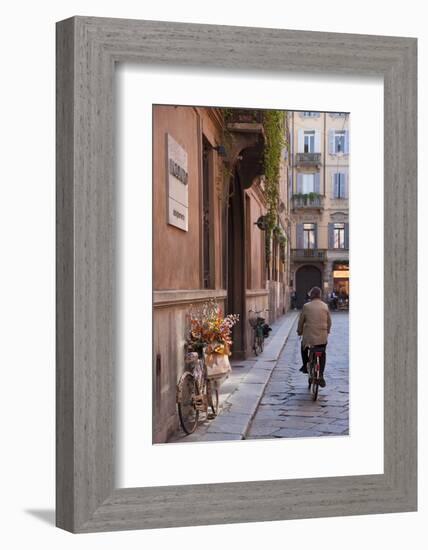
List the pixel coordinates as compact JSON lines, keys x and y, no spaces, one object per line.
{"x":251,"y":274}
{"x":208,"y":262}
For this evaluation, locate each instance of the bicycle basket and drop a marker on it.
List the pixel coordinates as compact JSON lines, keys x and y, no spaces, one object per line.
{"x":253,"y":320}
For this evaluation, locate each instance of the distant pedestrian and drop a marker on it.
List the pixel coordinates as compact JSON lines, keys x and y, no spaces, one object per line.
{"x":293,"y":299}
{"x":333,"y":300}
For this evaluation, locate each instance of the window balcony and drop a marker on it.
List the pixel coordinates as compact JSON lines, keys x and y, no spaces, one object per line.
{"x":312,"y":160}
{"x":245,"y":116}
{"x":307,"y":201}
{"x":245,"y":121}
{"x":308,"y":255}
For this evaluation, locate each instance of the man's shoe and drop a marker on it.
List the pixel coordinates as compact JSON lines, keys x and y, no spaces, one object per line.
{"x":303,"y":369}
{"x":322,"y":382}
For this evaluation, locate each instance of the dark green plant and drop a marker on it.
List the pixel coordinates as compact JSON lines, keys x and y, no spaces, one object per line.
{"x":282,"y":252}
{"x":282,"y":239}
{"x":274,"y":129}
{"x":267,"y":247}
{"x":225,"y":171}
{"x":227,"y":113}
{"x":279,"y":234}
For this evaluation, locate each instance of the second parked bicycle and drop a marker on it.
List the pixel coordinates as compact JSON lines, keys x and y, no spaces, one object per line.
{"x":260,"y":329}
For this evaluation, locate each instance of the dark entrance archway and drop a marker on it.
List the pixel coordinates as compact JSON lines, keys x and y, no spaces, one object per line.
{"x":246,"y":163}
{"x":307,"y":276}
{"x":236,"y":264}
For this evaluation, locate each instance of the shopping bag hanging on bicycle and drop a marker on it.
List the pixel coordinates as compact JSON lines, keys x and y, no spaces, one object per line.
{"x":218,"y":366}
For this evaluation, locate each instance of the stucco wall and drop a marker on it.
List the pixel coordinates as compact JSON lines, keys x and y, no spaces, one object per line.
{"x":177,"y":254}
{"x":168,"y":355}
{"x":256,"y":265}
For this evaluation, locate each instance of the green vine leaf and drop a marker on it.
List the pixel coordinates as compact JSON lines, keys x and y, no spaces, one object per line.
{"x":274,"y":128}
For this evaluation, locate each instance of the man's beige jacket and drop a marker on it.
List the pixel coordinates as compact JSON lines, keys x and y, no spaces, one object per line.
{"x":314,"y":323}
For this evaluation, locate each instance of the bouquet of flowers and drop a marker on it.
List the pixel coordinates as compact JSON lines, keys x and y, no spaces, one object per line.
{"x":209,"y":329}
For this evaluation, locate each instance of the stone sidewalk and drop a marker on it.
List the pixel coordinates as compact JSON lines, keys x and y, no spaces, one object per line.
{"x":241,"y":393}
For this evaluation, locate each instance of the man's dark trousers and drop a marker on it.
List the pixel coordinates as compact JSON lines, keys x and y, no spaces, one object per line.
{"x":305,"y":356}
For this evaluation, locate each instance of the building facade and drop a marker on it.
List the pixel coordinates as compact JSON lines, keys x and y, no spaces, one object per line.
{"x":319,"y":202}
{"x":208,"y":238}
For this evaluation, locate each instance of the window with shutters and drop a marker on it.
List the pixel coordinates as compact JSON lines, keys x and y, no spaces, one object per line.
{"x":339,"y":186}
{"x":339,"y":235}
{"x":309,"y":235}
{"x":339,"y":141}
{"x":309,"y":141}
{"x":308,"y":144}
{"x":308,"y":183}
{"x":310,"y":114}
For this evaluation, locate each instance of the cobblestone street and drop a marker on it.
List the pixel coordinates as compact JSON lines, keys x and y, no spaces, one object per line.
{"x":286,"y":408}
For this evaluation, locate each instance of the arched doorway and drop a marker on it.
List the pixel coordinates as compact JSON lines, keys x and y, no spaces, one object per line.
{"x":245,"y":163}
{"x":306,"y":277}
{"x":236,"y":264}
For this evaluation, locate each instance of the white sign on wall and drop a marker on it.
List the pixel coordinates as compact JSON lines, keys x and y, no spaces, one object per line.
{"x":178,"y":184}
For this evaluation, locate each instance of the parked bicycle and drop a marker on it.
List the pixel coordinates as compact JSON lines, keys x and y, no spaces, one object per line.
{"x":195,"y":392}
{"x":314,"y":370}
{"x":260,"y":329}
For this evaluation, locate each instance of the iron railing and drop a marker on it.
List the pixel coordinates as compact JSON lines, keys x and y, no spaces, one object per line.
{"x":309,"y":254}
{"x":307,"y":201}
{"x":308,"y":159}
{"x":245,"y":116}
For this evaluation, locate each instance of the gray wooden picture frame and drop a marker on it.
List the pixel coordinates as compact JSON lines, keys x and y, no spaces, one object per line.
{"x":87,"y":50}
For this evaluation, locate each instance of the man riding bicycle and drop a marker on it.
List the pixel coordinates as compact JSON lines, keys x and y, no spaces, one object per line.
{"x":314,"y":327}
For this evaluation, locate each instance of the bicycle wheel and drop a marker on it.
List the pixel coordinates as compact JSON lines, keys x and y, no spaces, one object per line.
{"x":310,"y":368}
{"x":212,"y":396}
{"x":260,"y":343}
{"x":315,"y":383}
{"x":314,"y":390}
{"x":187,"y":390}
